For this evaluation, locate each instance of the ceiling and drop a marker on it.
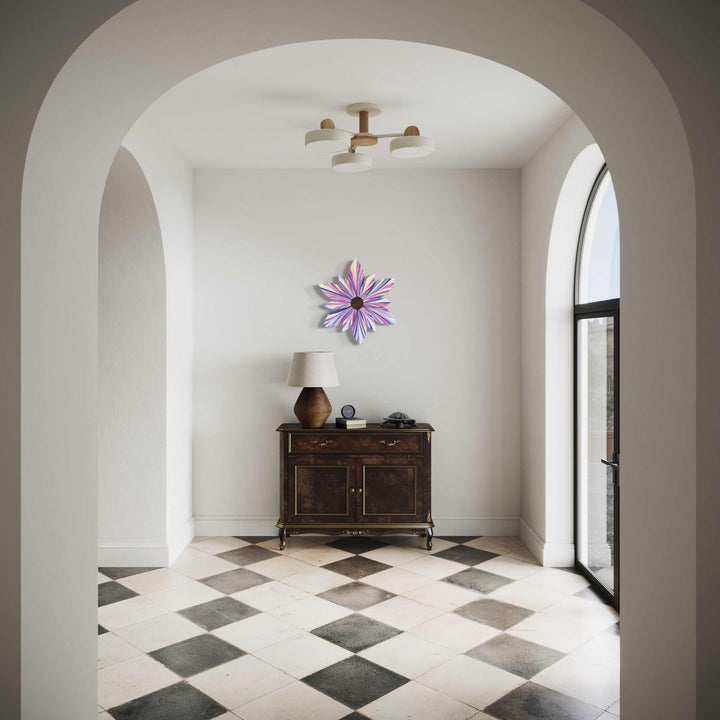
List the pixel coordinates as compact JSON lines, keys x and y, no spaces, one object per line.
{"x":253,"y":111}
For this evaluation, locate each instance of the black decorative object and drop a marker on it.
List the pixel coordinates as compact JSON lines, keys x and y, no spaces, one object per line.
{"x":348,"y":411}
{"x":399,"y":420}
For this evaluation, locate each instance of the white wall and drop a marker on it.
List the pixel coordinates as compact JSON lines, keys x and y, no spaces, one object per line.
{"x":265,"y":239}
{"x":547,"y":491}
{"x":171,"y":184}
{"x":131,"y":321}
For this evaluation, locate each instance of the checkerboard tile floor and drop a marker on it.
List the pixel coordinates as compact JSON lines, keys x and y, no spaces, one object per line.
{"x":353,"y":628}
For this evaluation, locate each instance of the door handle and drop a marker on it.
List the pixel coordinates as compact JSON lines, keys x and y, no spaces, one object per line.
{"x":613,"y":465}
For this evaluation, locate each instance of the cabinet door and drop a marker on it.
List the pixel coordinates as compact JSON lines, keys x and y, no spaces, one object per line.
{"x":322,"y":489}
{"x":390,"y":489}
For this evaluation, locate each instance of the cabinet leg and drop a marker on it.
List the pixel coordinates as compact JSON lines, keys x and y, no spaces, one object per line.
{"x":429,"y":537}
{"x":282,"y":536}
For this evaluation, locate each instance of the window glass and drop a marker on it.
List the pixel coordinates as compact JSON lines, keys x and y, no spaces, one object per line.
{"x":598,"y":276}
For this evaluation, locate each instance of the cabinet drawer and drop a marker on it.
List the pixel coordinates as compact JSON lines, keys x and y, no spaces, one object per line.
{"x":346,"y":442}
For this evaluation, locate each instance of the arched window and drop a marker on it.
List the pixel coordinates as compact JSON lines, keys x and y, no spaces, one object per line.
{"x":597,"y":441}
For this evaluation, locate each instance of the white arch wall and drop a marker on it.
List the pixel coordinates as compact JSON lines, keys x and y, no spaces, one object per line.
{"x":554,"y":187}
{"x":579,"y":55}
{"x":132,"y":372}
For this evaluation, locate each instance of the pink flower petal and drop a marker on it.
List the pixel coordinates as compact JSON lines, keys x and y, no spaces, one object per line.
{"x":380,"y":288}
{"x":335,"y":292}
{"x":356,"y":277}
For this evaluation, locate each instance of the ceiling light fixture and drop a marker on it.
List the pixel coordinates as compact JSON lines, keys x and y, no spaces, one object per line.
{"x":329,"y":139}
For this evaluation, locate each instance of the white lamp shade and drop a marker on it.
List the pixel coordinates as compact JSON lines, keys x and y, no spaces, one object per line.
{"x":328,"y":140}
{"x":412,"y":146}
{"x":313,"y":369}
{"x":351,"y":163}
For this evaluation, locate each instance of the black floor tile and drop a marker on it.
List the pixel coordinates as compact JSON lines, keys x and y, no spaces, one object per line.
{"x":256,"y":538}
{"x":116,"y":573}
{"x":480,"y":580}
{"x":458,"y":538}
{"x":357,"y":567}
{"x":614,"y":629}
{"x":190,"y":657}
{"x":355,"y":716}
{"x":535,"y":702}
{"x":216,"y":613}
{"x":356,"y":596}
{"x":247,"y":555}
{"x":101,"y":630}
{"x":466,"y":555}
{"x":112,"y":592}
{"x":496,"y":614}
{"x":356,"y":632}
{"x":234,"y":581}
{"x":357,"y":544}
{"x":517,"y":656}
{"x":355,"y":682}
{"x":177,"y":702}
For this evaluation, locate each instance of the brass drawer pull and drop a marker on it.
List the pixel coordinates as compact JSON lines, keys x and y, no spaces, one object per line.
{"x":389,"y":443}
{"x":359,"y":491}
{"x":352,"y":490}
{"x":320,"y":443}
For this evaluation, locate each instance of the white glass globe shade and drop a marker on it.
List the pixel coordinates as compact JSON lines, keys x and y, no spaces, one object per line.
{"x":412,"y":146}
{"x":328,"y":140}
{"x":351,"y":163}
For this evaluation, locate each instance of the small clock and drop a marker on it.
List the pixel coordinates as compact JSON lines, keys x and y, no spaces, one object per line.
{"x":348,"y":411}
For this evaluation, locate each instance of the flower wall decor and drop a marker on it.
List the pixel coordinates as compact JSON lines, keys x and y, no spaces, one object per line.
{"x":357,"y":303}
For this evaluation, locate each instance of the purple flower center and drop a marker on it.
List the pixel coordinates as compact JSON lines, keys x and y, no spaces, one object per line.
{"x":356,"y":303}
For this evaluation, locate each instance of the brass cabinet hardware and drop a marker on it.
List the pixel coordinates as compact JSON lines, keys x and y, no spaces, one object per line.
{"x":352,"y":490}
{"x":320,"y":443}
{"x":389,"y":443}
{"x":359,"y":490}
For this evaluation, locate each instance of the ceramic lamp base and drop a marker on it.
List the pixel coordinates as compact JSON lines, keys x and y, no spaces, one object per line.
{"x":312,"y":408}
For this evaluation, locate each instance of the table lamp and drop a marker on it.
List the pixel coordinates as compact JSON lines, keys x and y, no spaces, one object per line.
{"x":312,"y":371}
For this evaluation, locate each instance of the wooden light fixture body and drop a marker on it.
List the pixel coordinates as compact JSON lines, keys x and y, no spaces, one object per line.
{"x":312,"y":408}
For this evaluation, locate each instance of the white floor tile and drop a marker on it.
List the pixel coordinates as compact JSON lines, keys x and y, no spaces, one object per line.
{"x":418,"y":543}
{"x":159,"y":632}
{"x":402,"y":613}
{"x":433,"y":567}
{"x":310,"y":612}
{"x":603,"y":649}
{"x":148,"y":582}
{"x":215,"y":545}
{"x":189,"y":553}
{"x":417,"y":702}
{"x":293,"y":702}
{"x":530,"y":597}
{"x":277,"y":567}
{"x":128,"y":612}
{"x":471,"y":682}
{"x":558,"y":633}
{"x":319,"y":555}
{"x":394,"y":554}
{"x":112,"y":649}
{"x":408,"y":655}
{"x":497,"y":544}
{"x":102,"y":578}
{"x":509,"y":567}
{"x":131,"y":679}
{"x":442,"y":595}
{"x":524,"y":554}
{"x":614,"y":709}
{"x":558,"y":580}
{"x":269,"y":596}
{"x":240,"y":681}
{"x":592,"y":614}
{"x":315,"y":580}
{"x":591,"y":683}
{"x":203,"y":566}
{"x":257,"y":632}
{"x":396,"y":580}
{"x":302,"y":655}
{"x":183,"y":596}
{"x":455,"y":632}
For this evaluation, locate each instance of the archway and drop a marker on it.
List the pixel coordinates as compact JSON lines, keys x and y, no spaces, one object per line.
{"x":574,"y":51}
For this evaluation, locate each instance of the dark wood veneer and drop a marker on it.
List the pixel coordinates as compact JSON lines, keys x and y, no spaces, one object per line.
{"x":372,"y":480}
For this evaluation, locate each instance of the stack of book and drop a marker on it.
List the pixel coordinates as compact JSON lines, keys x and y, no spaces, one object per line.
{"x":350,"y":423}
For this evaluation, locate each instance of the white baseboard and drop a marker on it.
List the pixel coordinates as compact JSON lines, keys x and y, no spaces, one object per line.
{"x":265,"y":525}
{"x":132,"y":555}
{"x":181,"y":539}
{"x":548,"y":554}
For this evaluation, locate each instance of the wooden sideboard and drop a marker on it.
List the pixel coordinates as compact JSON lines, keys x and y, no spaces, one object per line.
{"x":373,"y":480}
